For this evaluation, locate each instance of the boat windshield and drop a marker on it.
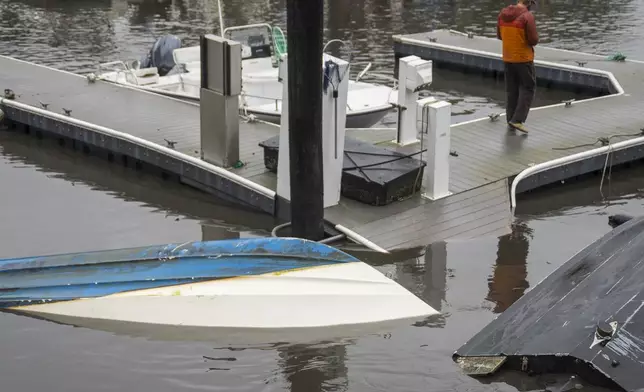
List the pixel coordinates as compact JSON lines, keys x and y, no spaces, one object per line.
{"x":257,"y":38}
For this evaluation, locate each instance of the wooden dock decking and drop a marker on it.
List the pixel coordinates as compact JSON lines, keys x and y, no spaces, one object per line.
{"x":487,"y":155}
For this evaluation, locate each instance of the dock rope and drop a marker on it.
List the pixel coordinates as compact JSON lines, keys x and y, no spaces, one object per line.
{"x":345,"y":233}
{"x":604,"y":141}
{"x":323,"y":241}
{"x":618,"y":57}
{"x":610,"y":170}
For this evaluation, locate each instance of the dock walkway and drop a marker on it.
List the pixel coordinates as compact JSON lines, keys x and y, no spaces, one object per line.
{"x":136,"y":124}
{"x":151,"y":117}
{"x":556,"y":130}
{"x":487,"y":157}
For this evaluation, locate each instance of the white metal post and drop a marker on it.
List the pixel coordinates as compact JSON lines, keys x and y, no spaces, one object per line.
{"x":334,"y":114}
{"x":414,"y":73}
{"x":219,"y":96}
{"x":333,"y":133}
{"x":436,"y":179}
{"x":422,"y":114}
{"x":283,"y":161}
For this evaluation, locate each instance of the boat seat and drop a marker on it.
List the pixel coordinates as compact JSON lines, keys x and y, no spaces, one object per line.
{"x":187,"y":55}
{"x":192,"y":79}
{"x":143,"y":76}
{"x":193,"y":66}
{"x":246,"y":52}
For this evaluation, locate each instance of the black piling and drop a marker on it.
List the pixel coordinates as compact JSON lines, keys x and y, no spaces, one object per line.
{"x":304,"y":42}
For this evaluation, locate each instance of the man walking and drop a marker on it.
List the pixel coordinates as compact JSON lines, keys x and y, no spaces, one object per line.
{"x":517,"y":29}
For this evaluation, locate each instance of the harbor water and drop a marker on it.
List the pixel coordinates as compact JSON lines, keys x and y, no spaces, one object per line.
{"x":56,"y":200}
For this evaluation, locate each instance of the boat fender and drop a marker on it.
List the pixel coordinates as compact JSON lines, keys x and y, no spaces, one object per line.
{"x":618,"y":219}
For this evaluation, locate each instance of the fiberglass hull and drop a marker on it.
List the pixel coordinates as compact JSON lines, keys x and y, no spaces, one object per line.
{"x":249,"y":284}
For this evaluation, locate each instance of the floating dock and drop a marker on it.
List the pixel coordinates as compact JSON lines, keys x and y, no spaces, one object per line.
{"x":149,"y":131}
{"x":556,"y":131}
{"x":146,"y":130}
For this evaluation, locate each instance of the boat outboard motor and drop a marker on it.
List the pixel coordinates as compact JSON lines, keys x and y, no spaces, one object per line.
{"x":160,"y":55}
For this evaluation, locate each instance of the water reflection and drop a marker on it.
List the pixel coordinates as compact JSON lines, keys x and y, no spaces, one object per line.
{"x":621,"y":186}
{"x":451,"y":276}
{"x":509,"y":279}
{"x":173,"y":206}
{"x":145,"y":12}
{"x":314,"y":369}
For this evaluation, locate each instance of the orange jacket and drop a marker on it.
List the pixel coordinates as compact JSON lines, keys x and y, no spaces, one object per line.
{"x":517,"y":29}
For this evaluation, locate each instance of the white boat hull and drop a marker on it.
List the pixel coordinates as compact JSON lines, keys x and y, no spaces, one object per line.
{"x":367,"y":103}
{"x":326,"y":296}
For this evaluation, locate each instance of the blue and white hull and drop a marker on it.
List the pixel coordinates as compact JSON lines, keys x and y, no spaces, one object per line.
{"x":256,"y":283}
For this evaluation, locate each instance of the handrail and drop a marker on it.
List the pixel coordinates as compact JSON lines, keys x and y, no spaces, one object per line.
{"x":145,"y":143}
{"x":382,"y":76}
{"x":109,"y":67}
{"x":538,"y":168}
{"x":363,"y":72}
{"x":112,"y":63}
{"x":248,"y":26}
{"x":329,"y":42}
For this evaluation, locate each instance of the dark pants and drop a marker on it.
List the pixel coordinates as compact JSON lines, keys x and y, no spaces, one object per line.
{"x":520,"y":86}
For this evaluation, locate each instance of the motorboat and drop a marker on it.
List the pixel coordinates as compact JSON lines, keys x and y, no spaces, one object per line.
{"x":200,"y":287}
{"x":175,"y":71}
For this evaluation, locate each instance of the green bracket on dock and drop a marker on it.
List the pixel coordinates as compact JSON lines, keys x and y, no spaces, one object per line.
{"x":617,"y":57}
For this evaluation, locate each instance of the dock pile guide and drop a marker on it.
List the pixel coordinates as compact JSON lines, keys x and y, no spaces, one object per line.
{"x":220,"y":89}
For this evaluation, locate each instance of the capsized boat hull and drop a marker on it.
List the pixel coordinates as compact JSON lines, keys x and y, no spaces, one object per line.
{"x":268,"y":283}
{"x":587,"y":318}
{"x":224,"y":335}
